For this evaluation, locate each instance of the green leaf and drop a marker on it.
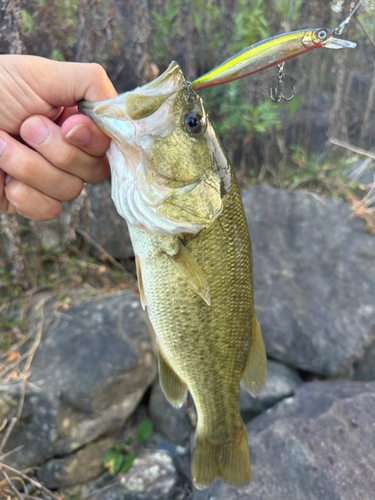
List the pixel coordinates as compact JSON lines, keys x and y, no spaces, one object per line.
{"x":77,"y":496}
{"x":144,"y":430}
{"x":57,"y":56}
{"x":128,"y":462}
{"x":27,"y":21}
{"x":197,"y":19}
{"x":113,"y":461}
{"x":293,"y":105}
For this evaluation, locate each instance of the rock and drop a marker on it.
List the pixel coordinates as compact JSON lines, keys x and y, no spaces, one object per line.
{"x":152,"y":477}
{"x":281,"y":383}
{"x":79,"y":467}
{"x":87,"y":377}
{"x":106,"y":226}
{"x":314,"y":279}
{"x":364,"y":368}
{"x":172,"y":422}
{"x":317,"y":445}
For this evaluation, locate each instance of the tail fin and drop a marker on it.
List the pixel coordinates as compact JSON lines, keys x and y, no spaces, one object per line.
{"x":230,"y":461}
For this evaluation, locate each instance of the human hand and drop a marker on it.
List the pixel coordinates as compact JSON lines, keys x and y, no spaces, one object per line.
{"x":47,"y":149}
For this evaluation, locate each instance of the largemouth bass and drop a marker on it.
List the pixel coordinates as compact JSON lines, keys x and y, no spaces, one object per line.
{"x":173,"y":183}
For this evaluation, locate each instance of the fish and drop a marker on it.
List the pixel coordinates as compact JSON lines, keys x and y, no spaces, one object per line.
{"x":270,"y":52}
{"x":174,"y":185}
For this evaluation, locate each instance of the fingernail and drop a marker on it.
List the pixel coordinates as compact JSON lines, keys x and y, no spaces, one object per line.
{"x":7,"y":179}
{"x":3,"y":146}
{"x":80,"y":134}
{"x":35,"y":131}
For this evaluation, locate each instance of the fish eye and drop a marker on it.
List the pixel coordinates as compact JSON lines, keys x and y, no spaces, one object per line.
{"x":322,"y":34}
{"x":193,"y":122}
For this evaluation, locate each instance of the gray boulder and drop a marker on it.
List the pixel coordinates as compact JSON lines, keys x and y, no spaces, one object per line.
{"x":314,"y":273}
{"x":317,"y":445}
{"x":100,"y":219}
{"x":87,"y":377}
{"x":281,"y":382}
{"x":79,"y":467}
{"x":106,"y":226}
{"x":364,"y":368}
{"x":172,"y":422}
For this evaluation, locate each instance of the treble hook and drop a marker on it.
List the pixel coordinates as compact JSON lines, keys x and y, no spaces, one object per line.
{"x":277,"y":94}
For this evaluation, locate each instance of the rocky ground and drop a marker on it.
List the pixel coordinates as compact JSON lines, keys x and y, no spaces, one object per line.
{"x":311,"y":431}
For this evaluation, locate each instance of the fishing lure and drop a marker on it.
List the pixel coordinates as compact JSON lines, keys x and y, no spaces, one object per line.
{"x":275,"y":50}
{"x":267,"y":53}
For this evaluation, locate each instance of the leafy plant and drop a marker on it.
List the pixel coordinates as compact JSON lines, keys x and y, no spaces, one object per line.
{"x":76,"y":496}
{"x":121,"y":457}
{"x":236,"y":116}
{"x":250,"y":23}
{"x":165,"y":28}
{"x":327,"y":177}
{"x":144,"y":430}
{"x":27,"y":21}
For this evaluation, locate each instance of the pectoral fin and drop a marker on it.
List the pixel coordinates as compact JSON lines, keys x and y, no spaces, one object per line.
{"x":255,"y":373}
{"x":188,"y":268}
{"x":174,"y":389}
{"x":142,"y":295}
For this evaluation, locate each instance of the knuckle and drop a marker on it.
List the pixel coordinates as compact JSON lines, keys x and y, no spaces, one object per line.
{"x":19,"y":193}
{"x":73,"y":190}
{"x":27,"y":171}
{"x":101,"y":172}
{"x":68,"y":158}
{"x":52,"y":212}
{"x":98,"y":72}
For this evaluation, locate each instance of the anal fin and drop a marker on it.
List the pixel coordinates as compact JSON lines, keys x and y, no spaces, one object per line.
{"x":173,"y":387}
{"x":190,"y":271}
{"x":142,"y":295}
{"x":255,"y":373}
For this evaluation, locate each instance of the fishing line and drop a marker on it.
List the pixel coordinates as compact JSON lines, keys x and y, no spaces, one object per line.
{"x":340,"y":28}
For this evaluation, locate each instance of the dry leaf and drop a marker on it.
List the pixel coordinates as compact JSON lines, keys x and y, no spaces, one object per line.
{"x":12,"y":356}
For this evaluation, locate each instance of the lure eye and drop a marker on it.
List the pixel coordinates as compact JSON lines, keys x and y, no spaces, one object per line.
{"x":322,"y":34}
{"x":193,"y":122}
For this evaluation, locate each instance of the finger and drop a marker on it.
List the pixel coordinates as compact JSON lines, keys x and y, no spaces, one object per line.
{"x":45,"y":137}
{"x":73,"y":110}
{"x":31,"y":203}
{"x":82,"y":132}
{"x":31,"y":168}
{"x":72,"y":82}
{"x":5,"y":206}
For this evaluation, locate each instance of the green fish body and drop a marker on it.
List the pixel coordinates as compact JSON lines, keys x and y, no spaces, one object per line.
{"x":173,"y":183}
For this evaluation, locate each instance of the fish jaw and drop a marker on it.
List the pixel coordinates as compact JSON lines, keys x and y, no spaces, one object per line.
{"x":164,"y":178}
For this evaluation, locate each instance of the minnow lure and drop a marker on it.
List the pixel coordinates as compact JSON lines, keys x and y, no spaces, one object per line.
{"x":269,"y":52}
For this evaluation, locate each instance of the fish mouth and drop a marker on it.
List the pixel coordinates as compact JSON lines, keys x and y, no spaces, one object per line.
{"x":139,"y":103}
